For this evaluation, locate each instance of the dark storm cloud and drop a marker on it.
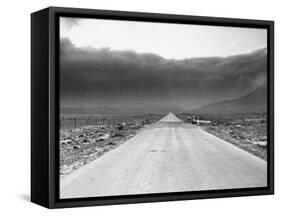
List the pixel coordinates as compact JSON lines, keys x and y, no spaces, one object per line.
{"x":99,"y":77}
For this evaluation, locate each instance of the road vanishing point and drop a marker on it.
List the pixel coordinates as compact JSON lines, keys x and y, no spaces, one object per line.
{"x":167,"y":156}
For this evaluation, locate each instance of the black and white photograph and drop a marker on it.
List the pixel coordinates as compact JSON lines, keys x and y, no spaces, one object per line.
{"x":151,"y":107}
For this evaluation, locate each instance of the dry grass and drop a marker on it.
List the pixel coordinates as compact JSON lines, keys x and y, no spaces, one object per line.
{"x":247,"y":131}
{"x":79,"y":146}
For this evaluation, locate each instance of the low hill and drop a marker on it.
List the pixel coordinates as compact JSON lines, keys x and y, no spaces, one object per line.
{"x":90,"y":111}
{"x":254,"y":101}
{"x":106,"y":110}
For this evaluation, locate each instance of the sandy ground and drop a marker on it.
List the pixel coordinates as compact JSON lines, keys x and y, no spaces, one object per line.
{"x":168,"y":156}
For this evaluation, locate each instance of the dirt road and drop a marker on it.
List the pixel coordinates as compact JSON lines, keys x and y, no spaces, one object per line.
{"x":167,"y":156}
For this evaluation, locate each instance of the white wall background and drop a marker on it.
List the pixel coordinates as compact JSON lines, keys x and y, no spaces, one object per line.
{"x":15,"y":106}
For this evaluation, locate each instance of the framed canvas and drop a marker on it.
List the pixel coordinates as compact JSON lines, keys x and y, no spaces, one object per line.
{"x":138,"y":107}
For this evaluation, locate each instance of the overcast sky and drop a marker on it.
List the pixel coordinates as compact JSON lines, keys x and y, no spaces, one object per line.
{"x":176,"y":41}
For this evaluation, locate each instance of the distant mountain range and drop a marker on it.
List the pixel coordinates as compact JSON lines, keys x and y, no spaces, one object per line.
{"x":106,"y":110}
{"x":254,"y":101}
{"x":251,"y":102}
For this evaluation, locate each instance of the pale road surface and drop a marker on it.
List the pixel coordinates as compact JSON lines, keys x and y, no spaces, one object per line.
{"x":167,"y":156}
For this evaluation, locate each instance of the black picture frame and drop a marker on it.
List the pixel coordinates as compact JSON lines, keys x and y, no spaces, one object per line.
{"x":45,"y":106}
